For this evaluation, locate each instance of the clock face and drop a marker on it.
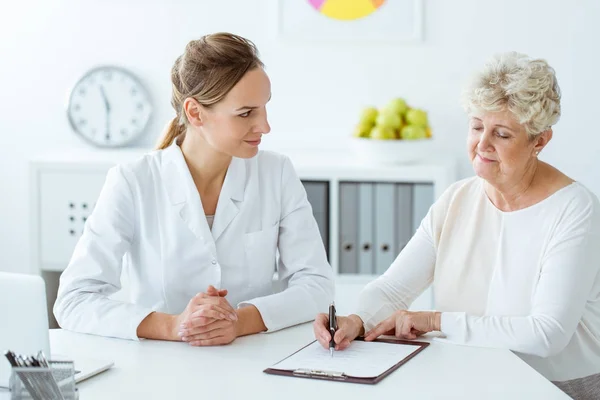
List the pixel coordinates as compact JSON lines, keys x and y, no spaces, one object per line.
{"x":109,"y":107}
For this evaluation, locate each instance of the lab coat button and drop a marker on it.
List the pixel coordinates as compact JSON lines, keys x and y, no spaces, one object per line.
{"x":214,"y":261}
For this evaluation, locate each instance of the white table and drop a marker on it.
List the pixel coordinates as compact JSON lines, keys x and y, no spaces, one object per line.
{"x":170,"y":370}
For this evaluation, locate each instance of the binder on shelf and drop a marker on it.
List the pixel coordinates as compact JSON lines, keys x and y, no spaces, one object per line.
{"x":317,"y":193}
{"x":366,"y":234}
{"x":423,"y":198}
{"x":404,"y":215}
{"x":348,"y":224}
{"x":385,"y":219}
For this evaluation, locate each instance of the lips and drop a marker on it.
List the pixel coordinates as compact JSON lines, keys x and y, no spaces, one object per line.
{"x":255,"y":142}
{"x":484,"y":159}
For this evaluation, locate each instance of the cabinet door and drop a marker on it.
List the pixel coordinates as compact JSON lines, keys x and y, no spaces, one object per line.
{"x":348,"y":228}
{"x":66,"y":199}
{"x":318,"y":197}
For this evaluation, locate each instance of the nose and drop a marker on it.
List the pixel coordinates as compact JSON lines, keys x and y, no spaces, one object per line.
{"x":485,"y":143}
{"x":264,"y":126}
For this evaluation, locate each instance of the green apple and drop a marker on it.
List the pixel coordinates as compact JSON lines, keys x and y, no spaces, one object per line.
{"x":363,"y":129}
{"x":412,"y":132}
{"x":397,"y":106}
{"x":384,"y":133}
{"x":369,"y":115}
{"x":388,"y":119}
{"x":414,"y":116}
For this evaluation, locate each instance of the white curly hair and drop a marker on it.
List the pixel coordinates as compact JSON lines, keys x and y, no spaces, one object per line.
{"x":525,"y":86}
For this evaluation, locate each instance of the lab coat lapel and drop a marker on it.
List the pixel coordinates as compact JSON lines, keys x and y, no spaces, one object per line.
{"x":182,"y":191}
{"x":232,"y":193}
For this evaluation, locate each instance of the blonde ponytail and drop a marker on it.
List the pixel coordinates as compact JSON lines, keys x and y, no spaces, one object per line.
{"x":172,"y":131}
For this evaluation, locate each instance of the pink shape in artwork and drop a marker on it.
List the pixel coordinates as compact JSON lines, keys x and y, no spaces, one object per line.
{"x":316,"y":3}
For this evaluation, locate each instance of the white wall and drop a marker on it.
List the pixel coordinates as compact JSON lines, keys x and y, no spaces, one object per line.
{"x":318,"y":90}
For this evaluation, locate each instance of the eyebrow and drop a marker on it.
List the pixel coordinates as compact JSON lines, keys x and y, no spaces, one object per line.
{"x":502,"y":126}
{"x":251,"y":107}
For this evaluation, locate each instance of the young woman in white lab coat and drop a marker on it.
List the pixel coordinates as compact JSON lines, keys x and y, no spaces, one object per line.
{"x":198,"y":223}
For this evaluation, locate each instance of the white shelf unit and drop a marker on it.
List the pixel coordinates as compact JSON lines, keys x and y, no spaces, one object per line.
{"x":441,"y":176}
{"x":64,"y":189}
{"x":337,"y":171}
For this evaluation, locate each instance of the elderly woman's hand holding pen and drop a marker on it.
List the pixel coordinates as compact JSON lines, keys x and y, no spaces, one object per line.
{"x":348,"y":329}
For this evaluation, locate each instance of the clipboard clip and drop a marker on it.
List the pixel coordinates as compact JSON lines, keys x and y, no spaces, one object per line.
{"x":319,"y":373}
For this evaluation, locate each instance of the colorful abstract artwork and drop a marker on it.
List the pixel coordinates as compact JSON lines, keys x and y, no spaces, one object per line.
{"x":350,"y":21}
{"x":346,"y":10}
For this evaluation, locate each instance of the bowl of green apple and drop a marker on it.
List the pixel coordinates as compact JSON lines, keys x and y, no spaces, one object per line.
{"x":394,"y":134}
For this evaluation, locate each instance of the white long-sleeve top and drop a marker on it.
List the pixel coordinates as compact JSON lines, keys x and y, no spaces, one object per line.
{"x":526,"y":280}
{"x":149,"y":220}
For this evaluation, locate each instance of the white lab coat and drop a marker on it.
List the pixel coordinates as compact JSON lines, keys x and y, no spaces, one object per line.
{"x":149,"y":220}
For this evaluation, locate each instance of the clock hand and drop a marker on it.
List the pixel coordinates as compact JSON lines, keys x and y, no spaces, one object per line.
{"x":107,"y":106}
{"x":106,"y":103}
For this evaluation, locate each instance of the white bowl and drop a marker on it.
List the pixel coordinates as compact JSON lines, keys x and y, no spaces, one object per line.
{"x":392,"y":151}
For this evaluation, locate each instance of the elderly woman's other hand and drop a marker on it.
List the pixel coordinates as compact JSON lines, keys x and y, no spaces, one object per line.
{"x":406,"y":325}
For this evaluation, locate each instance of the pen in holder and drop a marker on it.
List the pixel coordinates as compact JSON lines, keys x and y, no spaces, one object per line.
{"x":55,"y":381}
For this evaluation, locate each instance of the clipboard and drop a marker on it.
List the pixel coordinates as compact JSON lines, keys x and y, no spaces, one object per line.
{"x":340,"y":376}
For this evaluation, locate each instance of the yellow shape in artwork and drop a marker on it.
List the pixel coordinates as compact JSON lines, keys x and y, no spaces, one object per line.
{"x":349,"y":9}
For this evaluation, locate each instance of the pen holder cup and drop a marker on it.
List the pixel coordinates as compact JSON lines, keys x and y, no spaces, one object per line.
{"x":57,"y":382}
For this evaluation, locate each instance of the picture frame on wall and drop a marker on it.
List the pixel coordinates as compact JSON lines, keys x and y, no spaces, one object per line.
{"x":350,"y":21}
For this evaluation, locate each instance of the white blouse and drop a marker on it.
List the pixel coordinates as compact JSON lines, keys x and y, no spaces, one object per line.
{"x":526,"y":280}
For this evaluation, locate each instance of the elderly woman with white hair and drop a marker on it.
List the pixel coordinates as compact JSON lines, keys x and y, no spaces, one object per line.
{"x":513,"y":253}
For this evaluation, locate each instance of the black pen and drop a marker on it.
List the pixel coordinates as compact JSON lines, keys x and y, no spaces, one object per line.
{"x":11,"y":358}
{"x":332,"y":327}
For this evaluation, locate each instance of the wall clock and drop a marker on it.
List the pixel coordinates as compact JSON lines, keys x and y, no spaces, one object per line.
{"x":109,"y":107}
